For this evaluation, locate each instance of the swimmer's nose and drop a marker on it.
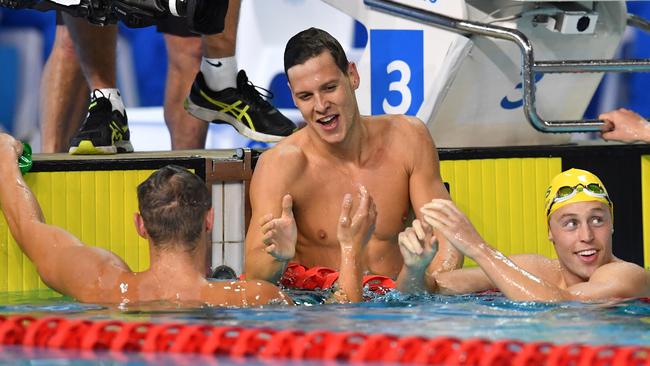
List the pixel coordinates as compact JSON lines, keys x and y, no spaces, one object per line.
{"x":321,"y":103}
{"x":586,"y":233}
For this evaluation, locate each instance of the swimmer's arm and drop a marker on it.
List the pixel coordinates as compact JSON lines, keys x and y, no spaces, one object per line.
{"x":425,"y":184}
{"x":460,"y":281}
{"x":418,"y":247}
{"x":64,"y":263}
{"x":625,"y":125}
{"x":521,"y":281}
{"x":270,"y":183}
{"x":616,"y":280}
{"x":245,"y":294}
{"x":518,"y":281}
{"x":353,"y":233}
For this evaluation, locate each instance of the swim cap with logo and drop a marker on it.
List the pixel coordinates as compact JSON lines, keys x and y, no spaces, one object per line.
{"x":575,"y":185}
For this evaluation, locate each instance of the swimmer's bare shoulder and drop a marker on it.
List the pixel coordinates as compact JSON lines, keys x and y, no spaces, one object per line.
{"x":404,"y":131}
{"x":627,"y":279}
{"x":244,"y":293}
{"x":282,"y":164}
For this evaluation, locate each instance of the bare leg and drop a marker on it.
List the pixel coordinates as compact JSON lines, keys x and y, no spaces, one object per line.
{"x":64,"y":94}
{"x":184,"y":57}
{"x":96,"y":51}
{"x":223,"y":44}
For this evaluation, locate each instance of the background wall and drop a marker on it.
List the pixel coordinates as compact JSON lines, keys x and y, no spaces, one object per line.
{"x":26,"y":38}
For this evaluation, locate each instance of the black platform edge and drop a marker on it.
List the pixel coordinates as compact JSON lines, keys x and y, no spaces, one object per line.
{"x":196,"y":163}
{"x":548,"y":151}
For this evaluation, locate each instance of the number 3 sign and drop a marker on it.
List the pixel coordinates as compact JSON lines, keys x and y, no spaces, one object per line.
{"x":396,"y":71}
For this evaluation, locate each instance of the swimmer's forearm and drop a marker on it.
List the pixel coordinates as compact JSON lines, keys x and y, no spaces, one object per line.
{"x":262,"y":266}
{"x":448,"y":257}
{"x":411,"y":281}
{"x":351,"y":275}
{"x":513,"y":281}
{"x":19,"y":205}
{"x":646,"y":131}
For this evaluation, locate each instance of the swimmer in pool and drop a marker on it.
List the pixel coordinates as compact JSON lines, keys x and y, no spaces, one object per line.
{"x":297,"y":185}
{"x":625,"y":125}
{"x":176,"y":217}
{"x":579,"y":215}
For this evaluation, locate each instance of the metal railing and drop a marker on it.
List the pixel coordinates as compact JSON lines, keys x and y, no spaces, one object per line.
{"x":529,"y":66}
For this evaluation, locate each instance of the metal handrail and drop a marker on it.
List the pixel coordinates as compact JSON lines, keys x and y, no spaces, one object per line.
{"x":638,"y":22}
{"x":529,"y":66}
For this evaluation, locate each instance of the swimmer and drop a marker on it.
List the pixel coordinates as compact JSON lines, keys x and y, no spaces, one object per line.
{"x":625,"y":125}
{"x":176,"y":217}
{"x":580,"y":225}
{"x":298,"y":183}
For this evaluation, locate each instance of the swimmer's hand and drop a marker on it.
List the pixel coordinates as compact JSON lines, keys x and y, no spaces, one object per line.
{"x":418,"y":245}
{"x":10,"y":148}
{"x":444,"y":216}
{"x":280,"y":234}
{"x":354,"y":232}
{"x":624,"y":125}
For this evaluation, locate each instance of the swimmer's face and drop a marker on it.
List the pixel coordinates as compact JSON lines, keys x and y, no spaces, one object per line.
{"x":325,"y":96}
{"x":582,"y":235}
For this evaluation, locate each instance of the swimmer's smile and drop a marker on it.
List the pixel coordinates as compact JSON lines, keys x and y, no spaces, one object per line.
{"x":587,"y":255}
{"x":329,"y":122}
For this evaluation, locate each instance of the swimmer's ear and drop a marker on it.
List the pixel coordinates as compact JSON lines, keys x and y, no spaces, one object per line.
{"x":353,"y":74}
{"x":209,"y":219}
{"x":550,"y":235}
{"x":139,"y":225}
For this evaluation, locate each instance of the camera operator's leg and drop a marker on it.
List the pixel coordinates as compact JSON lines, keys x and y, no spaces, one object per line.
{"x":184,"y":57}
{"x":220,"y":94}
{"x":105,"y":130}
{"x":64,"y":94}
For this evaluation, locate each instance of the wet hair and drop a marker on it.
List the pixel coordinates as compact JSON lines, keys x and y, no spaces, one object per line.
{"x":311,"y":43}
{"x":173,"y":203}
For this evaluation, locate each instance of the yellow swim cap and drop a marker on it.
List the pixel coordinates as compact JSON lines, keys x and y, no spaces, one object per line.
{"x":575,"y":185}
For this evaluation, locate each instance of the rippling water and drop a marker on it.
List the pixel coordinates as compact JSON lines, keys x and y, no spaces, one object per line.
{"x":490,"y":316}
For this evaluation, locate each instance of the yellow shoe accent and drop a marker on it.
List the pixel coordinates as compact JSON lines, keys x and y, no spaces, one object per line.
{"x":86,"y":147}
{"x":239,"y":113}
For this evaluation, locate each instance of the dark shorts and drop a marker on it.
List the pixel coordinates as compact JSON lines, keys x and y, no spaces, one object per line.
{"x":170,"y":25}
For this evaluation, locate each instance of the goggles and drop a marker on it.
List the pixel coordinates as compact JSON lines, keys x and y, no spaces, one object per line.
{"x":565,"y":193}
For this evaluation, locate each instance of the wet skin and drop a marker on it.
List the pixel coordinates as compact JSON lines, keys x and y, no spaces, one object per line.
{"x":337,"y":152}
{"x":585,"y":270}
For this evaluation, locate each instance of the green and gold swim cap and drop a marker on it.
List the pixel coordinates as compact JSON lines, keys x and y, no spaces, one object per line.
{"x":575,"y":185}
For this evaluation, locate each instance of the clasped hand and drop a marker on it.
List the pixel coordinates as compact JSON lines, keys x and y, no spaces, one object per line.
{"x":354,"y":232}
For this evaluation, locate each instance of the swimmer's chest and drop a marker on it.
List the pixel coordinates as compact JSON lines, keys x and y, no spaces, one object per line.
{"x":319,"y":195}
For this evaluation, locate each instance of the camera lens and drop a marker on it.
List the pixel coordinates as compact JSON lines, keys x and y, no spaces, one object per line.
{"x":583,"y":24}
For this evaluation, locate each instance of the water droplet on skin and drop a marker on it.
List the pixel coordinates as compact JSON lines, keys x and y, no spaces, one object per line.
{"x":322,"y":234}
{"x":124,"y":287}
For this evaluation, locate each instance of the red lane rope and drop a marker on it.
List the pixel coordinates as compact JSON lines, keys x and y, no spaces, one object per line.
{"x":57,"y":332}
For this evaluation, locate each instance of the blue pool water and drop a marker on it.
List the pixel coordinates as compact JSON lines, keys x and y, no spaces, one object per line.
{"x":489,"y":316}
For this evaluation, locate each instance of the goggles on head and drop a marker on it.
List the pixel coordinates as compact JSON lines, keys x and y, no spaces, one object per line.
{"x":565,"y":193}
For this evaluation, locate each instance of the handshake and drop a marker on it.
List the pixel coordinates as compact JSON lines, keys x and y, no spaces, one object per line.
{"x":203,"y":16}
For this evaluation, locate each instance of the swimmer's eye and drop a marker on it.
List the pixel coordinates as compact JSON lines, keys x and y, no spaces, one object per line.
{"x":597,"y":220}
{"x":570,"y":224}
{"x":304,"y":97}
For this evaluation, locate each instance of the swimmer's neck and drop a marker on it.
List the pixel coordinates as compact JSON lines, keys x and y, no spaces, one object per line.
{"x":350,"y":149}
{"x":178,"y":261}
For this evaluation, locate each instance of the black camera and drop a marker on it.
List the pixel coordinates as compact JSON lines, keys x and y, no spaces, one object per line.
{"x":203,"y":16}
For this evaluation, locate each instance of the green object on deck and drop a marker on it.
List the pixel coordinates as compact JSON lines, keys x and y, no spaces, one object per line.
{"x":25,"y":160}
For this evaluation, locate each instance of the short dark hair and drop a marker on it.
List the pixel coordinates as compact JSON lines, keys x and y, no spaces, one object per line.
{"x":311,"y":43}
{"x":173,"y":203}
